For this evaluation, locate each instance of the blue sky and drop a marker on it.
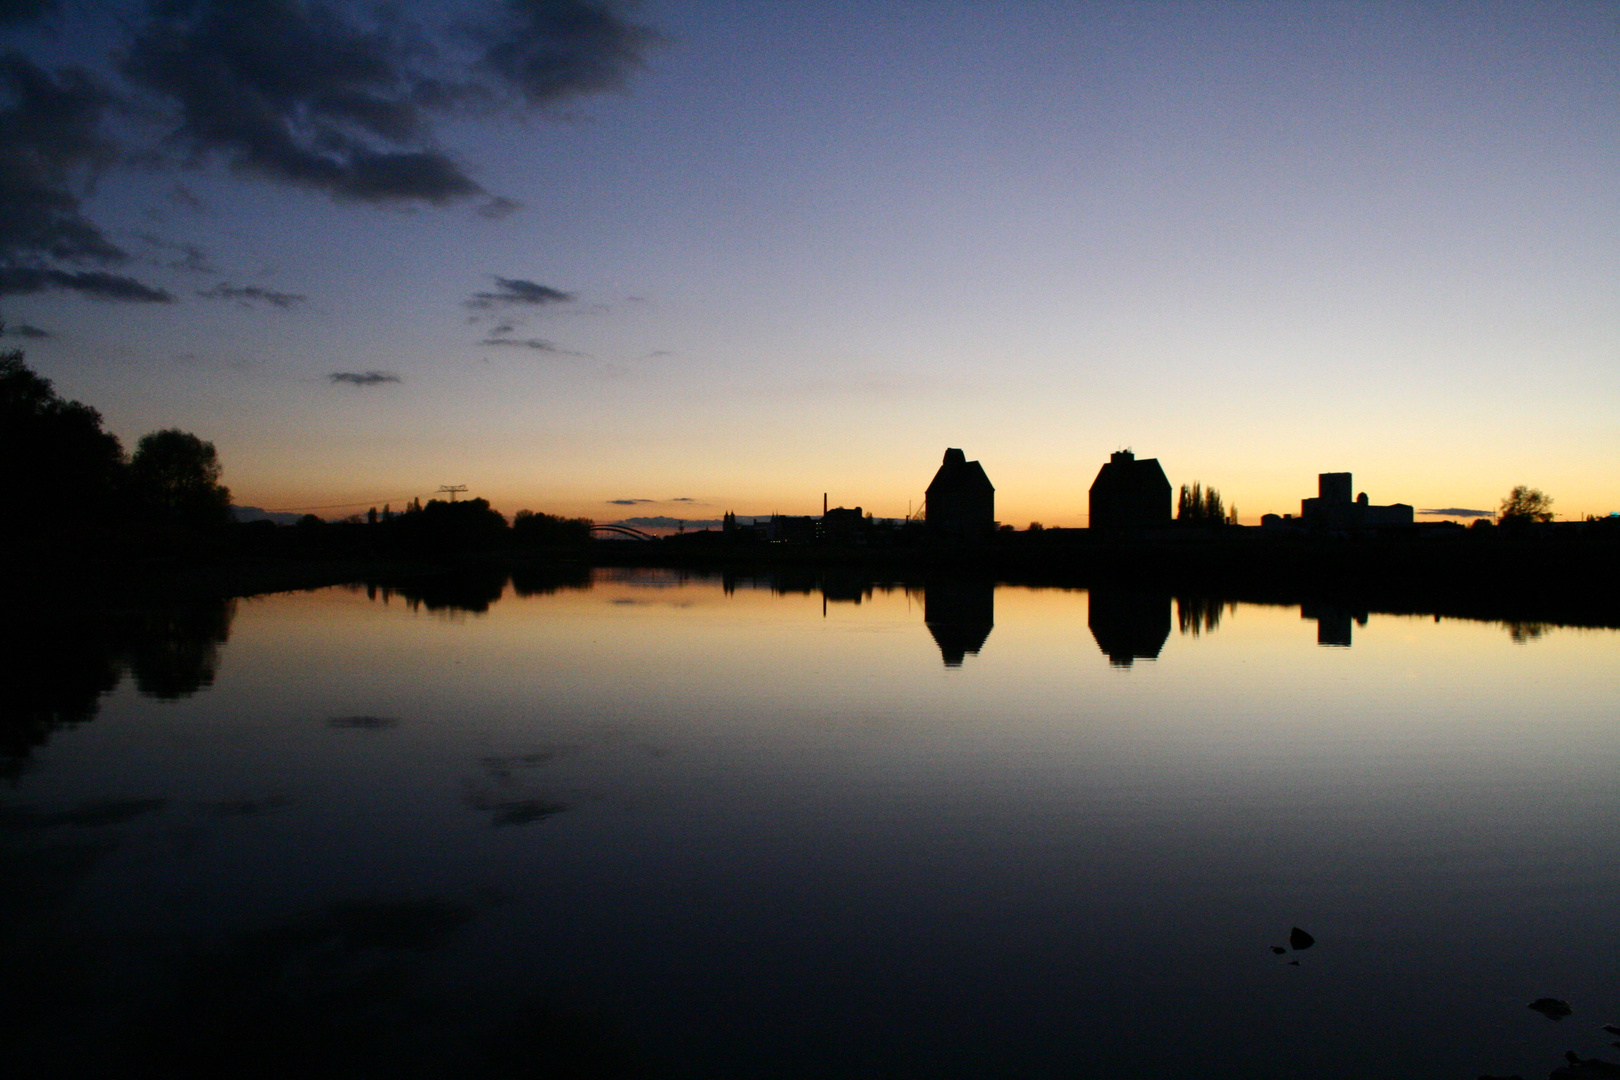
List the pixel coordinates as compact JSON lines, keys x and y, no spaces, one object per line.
{"x":786,"y":249}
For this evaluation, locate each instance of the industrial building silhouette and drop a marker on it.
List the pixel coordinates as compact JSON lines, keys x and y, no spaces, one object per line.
{"x":961,"y":501}
{"x":1130,"y":494}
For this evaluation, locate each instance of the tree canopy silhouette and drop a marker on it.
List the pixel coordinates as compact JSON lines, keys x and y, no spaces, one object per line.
{"x":175,"y":476}
{"x":56,"y":462}
{"x":1525,"y":505}
{"x":1200,"y":505}
{"x":529,"y":527}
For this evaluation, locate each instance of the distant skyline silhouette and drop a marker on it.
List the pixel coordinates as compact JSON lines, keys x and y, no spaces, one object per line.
{"x":744,"y":254}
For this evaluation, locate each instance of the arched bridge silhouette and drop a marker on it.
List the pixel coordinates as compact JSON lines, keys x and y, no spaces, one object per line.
{"x":623,"y":530}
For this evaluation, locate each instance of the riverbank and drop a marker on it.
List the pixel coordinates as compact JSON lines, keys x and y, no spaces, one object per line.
{"x":1562,"y":575}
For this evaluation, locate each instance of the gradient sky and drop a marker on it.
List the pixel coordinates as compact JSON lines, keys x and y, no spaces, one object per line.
{"x":732,"y":255}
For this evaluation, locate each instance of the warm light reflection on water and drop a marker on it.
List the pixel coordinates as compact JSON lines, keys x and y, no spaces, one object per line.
{"x":698,"y":828}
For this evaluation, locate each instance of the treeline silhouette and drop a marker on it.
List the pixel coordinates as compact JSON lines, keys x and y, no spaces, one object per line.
{"x":83,"y":491}
{"x":433,"y":529}
{"x":85,"y":497}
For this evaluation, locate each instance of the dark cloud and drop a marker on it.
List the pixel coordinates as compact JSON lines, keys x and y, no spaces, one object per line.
{"x":337,"y":96}
{"x":549,"y":50}
{"x":1453,"y":511}
{"x":51,"y":143}
{"x":344,"y":99}
{"x":23,"y":330}
{"x":628,"y":502}
{"x":294,"y":93}
{"x":192,"y":258}
{"x":518,"y":291}
{"x":364,"y":378}
{"x":684,"y":498}
{"x":96,"y":284}
{"x":252,"y":296}
{"x":21,"y":11}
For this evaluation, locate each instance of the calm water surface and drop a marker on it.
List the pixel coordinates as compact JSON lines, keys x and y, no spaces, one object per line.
{"x":651,"y":825}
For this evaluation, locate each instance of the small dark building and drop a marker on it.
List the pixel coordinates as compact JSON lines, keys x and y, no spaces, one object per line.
{"x":843,"y":526}
{"x":961,"y":499}
{"x":1130,"y":494}
{"x":1333,"y":509}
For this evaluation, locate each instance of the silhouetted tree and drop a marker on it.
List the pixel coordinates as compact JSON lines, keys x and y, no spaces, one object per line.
{"x":442,"y":526}
{"x":58,"y":468}
{"x":529,"y":527}
{"x":1525,"y":505}
{"x":175,"y":479}
{"x":1196,"y":505}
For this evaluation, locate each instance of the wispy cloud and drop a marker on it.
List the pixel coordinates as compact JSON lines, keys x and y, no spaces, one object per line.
{"x":192,"y":258}
{"x":1454,"y":511}
{"x":499,"y":207}
{"x":95,"y":284}
{"x":517,"y":291}
{"x":532,"y":344}
{"x":628,"y":502}
{"x":252,"y":296}
{"x":23,"y":330}
{"x":364,"y":378}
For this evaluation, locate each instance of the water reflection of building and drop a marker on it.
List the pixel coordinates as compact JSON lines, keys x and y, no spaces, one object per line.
{"x":959,"y":614}
{"x":1129,"y":624}
{"x":1332,"y":623}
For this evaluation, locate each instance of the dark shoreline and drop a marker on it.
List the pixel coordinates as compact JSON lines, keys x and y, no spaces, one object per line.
{"x":1559,"y":575}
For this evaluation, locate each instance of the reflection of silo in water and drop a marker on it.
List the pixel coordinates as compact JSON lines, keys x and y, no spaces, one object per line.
{"x":960,"y":615}
{"x":1332,"y":623}
{"x":1129,"y":624}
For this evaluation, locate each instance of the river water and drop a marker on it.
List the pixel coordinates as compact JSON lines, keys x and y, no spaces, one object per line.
{"x":641,"y":823}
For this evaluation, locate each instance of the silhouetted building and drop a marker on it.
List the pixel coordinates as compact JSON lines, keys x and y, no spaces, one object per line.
{"x":783,"y":529}
{"x":1129,"y":625}
{"x":843,"y":526}
{"x":1333,"y":508}
{"x":1130,"y":494}
{"x":961,"y":499}
{"x":960,"y":615}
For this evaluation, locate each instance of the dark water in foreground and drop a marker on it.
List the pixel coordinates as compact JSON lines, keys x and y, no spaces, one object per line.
{"x":651,"y":826}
